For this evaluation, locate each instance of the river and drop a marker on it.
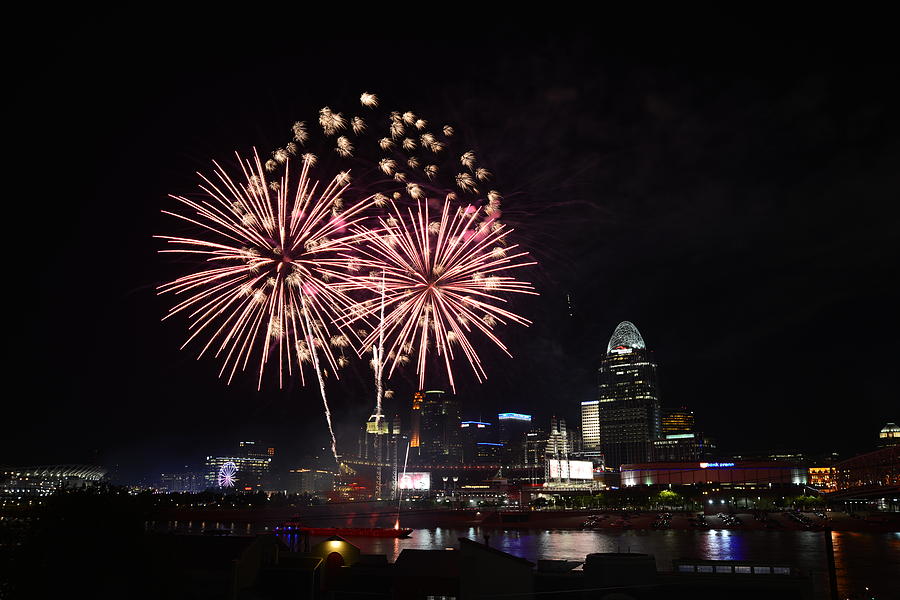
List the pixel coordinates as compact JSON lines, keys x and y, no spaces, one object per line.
{"x":862,"y":560}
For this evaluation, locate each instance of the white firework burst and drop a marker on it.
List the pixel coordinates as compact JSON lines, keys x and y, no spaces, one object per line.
{"x":344,"y":147}
{"x":367,"y":99}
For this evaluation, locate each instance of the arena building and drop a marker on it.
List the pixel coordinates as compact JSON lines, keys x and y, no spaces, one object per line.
{"x":757,"y":474}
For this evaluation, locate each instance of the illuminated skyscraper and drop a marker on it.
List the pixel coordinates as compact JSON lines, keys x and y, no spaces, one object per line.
{"x":252,"y":471}
{"x":415,"y":425}
{"x":628,"y":406}
{"x":590,"y":425}
{"x":256,"y":449}
{"x":677,"y":421}
{"x":378,"y":452}
{"x":439,"y":432}
{"x":513,"y":430}
{"x":478,"y":442}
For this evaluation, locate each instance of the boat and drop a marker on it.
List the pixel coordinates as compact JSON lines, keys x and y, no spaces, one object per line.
{"x":385,"y":532}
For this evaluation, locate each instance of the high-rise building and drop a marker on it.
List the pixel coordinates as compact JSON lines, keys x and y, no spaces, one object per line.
{"x":378,"y":455}
{"x":255,"y":449}
{"x":187,"y":481}
{"x":513,"y":430}
{"x":478,"y":442}
{"x":252,"y":471}
{"x":535,"y":454}
{"x":415,"y":421}
{"x":682,"y":447}
{"x":628,"y":406}
{"x":558,"y":440}
{"x":557,"y":452}
{"x":590,"y":425}
{"x":439,"y":438}
{"x":677,"y":421}
{"x":309,"y":481}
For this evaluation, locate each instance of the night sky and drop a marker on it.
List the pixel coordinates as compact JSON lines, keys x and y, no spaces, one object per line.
{"x":735,"y":196}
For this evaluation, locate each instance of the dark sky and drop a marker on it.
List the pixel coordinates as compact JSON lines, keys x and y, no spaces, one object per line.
{"x":734,"y":195}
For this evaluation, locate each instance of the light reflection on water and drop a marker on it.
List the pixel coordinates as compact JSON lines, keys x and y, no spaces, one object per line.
{"x":861,"y":559}
{"x":665,"y":546}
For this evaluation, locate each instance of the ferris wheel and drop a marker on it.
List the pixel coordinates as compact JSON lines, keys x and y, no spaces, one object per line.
{"x":227,"y":475}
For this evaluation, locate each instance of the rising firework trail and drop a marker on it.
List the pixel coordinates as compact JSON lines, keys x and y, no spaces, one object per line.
{"x":442,"y":281}
{"x":264,"y":293}
{"x":378,"y":359}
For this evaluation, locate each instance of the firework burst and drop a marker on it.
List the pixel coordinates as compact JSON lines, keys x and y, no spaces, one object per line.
{"x":442,"y":282}
{"x":263,"y":294}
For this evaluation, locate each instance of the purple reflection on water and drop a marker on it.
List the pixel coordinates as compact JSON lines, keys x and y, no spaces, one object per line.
{"x":862,"y":559}
{"x":722,"y":545}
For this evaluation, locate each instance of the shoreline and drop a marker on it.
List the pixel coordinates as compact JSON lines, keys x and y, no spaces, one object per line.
{"x":599,"y":520}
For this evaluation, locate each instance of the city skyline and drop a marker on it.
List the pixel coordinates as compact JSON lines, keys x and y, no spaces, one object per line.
{"x":723,"y":232}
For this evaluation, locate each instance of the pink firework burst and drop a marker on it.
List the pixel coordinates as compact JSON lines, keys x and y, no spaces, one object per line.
{"x":264,"y":292}
{"x":437,"y":283}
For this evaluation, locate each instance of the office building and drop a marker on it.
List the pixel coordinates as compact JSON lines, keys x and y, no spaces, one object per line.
{"x":378,"y":457}
{"x":415,"y":421}
{"x":479,"y":443}
{"x":252,"y":469}
{"x":629,"y":405}
{"x":189,"y":482}
{"x":590,"y":425}
{"x":681,"y":447}
{"x":514,"y":428}
{"x":439,"y":432}
{"x":557,"y":451}
{"x":535,"y":454}
{"x":315,"y":482}
{"x":677,"y":421}
{"x":255,"y":449}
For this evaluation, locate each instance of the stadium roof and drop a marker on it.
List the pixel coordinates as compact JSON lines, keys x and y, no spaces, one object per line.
{"x":88,"y":472}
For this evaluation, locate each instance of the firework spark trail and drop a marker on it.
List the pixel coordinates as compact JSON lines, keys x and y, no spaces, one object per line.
{"x":279,"y":247}
{"x":442,"y":281}
{"x":315,"y":360}
{"x":378,"y":357}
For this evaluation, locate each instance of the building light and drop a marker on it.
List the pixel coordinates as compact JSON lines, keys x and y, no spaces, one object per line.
{"x":514,"y":417}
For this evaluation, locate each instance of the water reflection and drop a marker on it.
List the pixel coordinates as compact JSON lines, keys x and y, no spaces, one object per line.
{"x":863,"y":566}
{"x":861,"y":559}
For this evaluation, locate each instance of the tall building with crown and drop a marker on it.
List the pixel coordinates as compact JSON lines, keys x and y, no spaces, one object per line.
{"x":381,"y":446}
{"x":629,"y":404}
